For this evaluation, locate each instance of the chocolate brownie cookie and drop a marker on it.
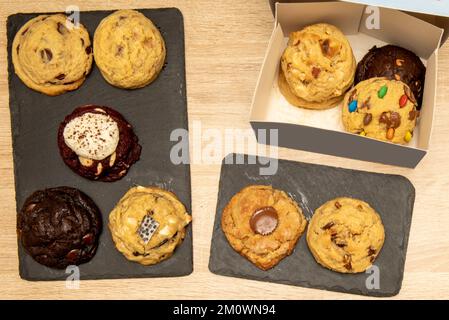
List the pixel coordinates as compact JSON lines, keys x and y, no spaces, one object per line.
{"x":98,"y":143}
{"x":395,"y":63}
{"x":52,"y":55}
{"x":263,"y":224}
{"x":345,"y":235}
{"x":59,"y":227}
{"x":148,"y":224}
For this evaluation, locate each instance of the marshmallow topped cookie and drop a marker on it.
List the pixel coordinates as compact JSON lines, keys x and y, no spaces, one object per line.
{"x":98,"y":143}
{"x":92,"y":135}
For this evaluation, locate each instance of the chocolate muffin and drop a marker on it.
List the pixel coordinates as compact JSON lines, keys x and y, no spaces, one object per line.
{"x":394,"y":63}
{"x":98,"y":143}
{"x":59,"y":227}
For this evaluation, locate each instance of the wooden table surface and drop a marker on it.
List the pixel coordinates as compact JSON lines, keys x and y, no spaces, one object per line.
{"x":225,"y":45}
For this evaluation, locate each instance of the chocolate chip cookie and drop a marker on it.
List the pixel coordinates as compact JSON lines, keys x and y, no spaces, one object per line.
{"x":382,"y":109}
{"x":148,"y":224}
{"x":129,"y":50}
{"x":98,"y":143}
{"x":52,"y":55}
{"x":263,"y":224}
{"x":59,"y":227}
{"x":394,"y":63}
{"x":317,"y":67}
{"x":345,"y":235}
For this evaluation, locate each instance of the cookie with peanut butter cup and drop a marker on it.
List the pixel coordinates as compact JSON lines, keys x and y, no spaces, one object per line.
{"x":52,"y":55}
{"x":263,"y":224}
{"x":98,"y":143}
{"x":148,"y":224}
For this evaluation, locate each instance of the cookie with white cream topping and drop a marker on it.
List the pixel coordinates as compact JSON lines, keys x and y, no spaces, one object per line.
{"x":98,"y":143}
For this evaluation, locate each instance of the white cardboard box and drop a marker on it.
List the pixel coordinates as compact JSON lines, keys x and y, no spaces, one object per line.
{"x":321,"y":130}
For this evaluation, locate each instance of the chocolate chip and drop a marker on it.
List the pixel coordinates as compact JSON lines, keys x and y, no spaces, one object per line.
{"x":25,"y":31}
{"x":325,"y":47}
{"x":60,"y":76}
{"x":18,"y":49}
{"x":352,"y":96}
{"x":62,"y":29}
{"x":390,"y":119}
{"x":82,"y":42}
{"x":337,"y":205}
{"x":347,"y":261}
{"x":46,"y":55}
{"x":88,"y":239}
{"x":348,"y":266}
{"x":412,"y":115}
{"x":395,"y":120}
{"x":328,"y":225}
{"x":341,"y":245}
{"x":367,"y":119}
{"x":316,"y":72}
{"x":371,"y":251}
{"x":73,"y":255}
{"x":88,"y":49}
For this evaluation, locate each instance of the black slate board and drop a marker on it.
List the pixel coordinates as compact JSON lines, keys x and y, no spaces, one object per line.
{"x":392,"y":196}
{"x":154,"y":111}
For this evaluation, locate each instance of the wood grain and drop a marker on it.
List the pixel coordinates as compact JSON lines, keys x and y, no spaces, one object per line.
{"x":225,"y":45}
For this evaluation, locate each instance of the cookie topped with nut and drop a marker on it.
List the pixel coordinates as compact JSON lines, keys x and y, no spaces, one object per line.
{"x":395,"y":63}
{"x":51,"y":54}
{"x":382,"y":109}
{"x":98,"y":143}
{"x":345,"y":235}
{"x":317,"y":67}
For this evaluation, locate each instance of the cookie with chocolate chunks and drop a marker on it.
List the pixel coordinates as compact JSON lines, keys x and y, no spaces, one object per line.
{"x":263,"y":224}
{"x":98,"y":143}
{"x":52,"y":55}
{"x":59,"y":227}
{"x":396,"y":63}
{"x":345,"y":235}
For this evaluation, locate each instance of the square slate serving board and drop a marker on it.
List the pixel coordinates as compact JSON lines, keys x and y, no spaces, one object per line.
{"x":311,"y":185}
{"x":154,"y":111}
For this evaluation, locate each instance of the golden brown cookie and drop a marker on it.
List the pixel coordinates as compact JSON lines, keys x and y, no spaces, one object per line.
{"x":345,"y":235}
{"x":317,"y":67}
{"x":52,"y":55}
{"x":129,"y":50}
{"x":382,"y":109}
{"x":263,"y":224}
{"x":148,"y":224}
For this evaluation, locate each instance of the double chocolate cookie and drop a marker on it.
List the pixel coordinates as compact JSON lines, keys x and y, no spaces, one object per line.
{"x":345,"y":235}
{"x":98,"y":143}
{"x":59,"y":227}
{"x":52,"y":55}
{"x":394,"y":63}
{"x":148,"y":224}
{"x":263,"y":224}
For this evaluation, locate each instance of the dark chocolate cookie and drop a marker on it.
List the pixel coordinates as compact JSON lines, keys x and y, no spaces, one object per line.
{"x":98,"y":143}
{"x":395,"y":63}
{"x":59,"y":227}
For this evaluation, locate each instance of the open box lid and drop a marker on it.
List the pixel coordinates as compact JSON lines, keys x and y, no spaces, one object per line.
{"x":435,"y":12}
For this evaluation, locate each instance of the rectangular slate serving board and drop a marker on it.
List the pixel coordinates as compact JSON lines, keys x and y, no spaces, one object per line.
{"x":392,"y":196}
{"x":154,"y":111}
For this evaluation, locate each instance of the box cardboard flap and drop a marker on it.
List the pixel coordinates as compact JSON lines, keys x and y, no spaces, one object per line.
{"x":435,"y":12}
